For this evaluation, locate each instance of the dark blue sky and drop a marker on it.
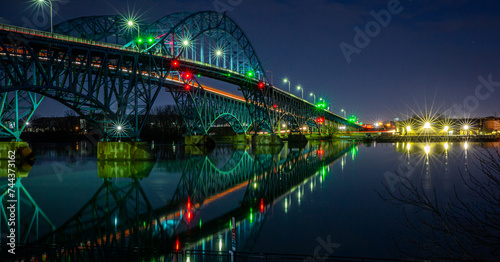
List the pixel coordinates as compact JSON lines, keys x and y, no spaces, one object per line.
{"x":430,"y":53}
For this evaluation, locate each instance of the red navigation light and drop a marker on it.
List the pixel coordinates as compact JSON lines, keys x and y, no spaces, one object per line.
{"x":189,"y":215}
{"x":189,"y":204}
{"x":321,"y":152}
{"x":320,"y":119}
{"x":175,"y":63}
{"x":187,"y":75}
{"x":275,"y":106}
{"x":187,"y":86}
{"x":177,"y":245}
{"x":262,"y":205}
{"x":261,"y":85}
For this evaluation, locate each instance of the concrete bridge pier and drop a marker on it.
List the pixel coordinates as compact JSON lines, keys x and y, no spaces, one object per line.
{"x":266,"y":144}
{"x":321,"y":136}
{"x":22,"y":151}
{"x":199,"y":140}
{"x":266,"y":140}
{"x":126,"y":151}
{"x":240,"y":139}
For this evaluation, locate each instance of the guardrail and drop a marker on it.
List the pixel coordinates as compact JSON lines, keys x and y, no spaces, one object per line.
{"x":27,"y":31}
{"x":33,"y":32}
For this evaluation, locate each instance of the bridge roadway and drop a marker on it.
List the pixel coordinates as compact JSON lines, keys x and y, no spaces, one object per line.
{"x":177,"y":84}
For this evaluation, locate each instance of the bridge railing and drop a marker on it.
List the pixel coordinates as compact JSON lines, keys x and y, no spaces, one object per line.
{"x":73,"y":39}
{"x":33,"y":32}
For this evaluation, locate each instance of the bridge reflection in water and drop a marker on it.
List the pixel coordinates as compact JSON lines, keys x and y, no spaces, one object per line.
{"x":119,"y":220}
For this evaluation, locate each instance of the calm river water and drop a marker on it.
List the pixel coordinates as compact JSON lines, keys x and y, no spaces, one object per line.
{"x":324,"y":199}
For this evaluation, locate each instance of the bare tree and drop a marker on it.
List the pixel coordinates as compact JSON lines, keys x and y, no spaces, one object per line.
{"x":164,"y":123}
{"x":464,"y":227}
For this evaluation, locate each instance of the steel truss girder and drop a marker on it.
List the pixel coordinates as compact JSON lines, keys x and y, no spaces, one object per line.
{"x":201,"y":108}
{"x":109,"y":29}
{"x":259,"y":106}
{"x":108,"y":87}
{"x":207,"y":32}
{"x":16,"y":110}
{"x":292,"y":109}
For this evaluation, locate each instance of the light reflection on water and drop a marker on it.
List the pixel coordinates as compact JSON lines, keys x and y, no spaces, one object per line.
{"x":282,"y":203}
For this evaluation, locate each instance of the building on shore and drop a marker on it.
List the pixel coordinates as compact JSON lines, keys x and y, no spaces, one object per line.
{"x":448,"y":126}
{"x":491,"y":124}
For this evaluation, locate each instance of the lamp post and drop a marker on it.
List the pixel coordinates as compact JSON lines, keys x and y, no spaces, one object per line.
{"x":313,"y":95}
{"x":50,"y":5}
{"x":301,"y":89}
{"x":272,"y":81}
{"x":287,"y":81}
{"x":466,"y":128}
{"x":132,"y":24}
{"x":342,"y":110}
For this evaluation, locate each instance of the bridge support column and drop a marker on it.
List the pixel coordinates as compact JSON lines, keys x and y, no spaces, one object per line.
{"x":124,"y":151}
{"x":318,"y":136}
{"x":241,"y":139}
{"x":201,"y":140}
{"x":266,"y":140}
{"x":22,"y":149}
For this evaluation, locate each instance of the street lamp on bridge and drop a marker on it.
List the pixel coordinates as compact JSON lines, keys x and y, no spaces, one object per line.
{"x":132,"y":24}
{"x":50,"y":5}
{"x":301,"y":89}
{"x":342,"y":110}
{"x":313,"y":95}
{"x":287,"y":81}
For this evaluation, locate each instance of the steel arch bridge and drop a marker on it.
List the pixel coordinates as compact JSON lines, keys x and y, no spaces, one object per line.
{"x":115,"y":85}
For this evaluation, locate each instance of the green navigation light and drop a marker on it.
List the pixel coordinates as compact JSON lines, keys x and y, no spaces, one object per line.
{"x":352,"y":119}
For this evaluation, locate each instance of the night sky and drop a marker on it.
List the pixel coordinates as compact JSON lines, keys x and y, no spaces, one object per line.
{"x":430,"y":53}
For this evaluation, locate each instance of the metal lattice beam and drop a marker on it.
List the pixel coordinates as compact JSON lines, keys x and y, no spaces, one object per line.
{"x":108,"y":87}
{"x":109,"y":29}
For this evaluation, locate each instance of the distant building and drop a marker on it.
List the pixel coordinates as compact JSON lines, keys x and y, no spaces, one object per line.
{"x":52,"y":124}
{"x":449,"y":126}
{"x":491,"y":124}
